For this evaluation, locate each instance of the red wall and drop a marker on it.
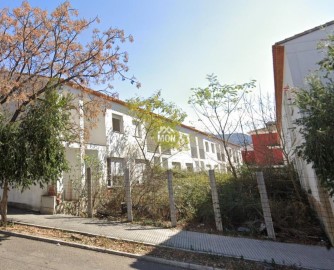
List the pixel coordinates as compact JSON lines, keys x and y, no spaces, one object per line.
{"x":267,"y":150}
{"x":248,"y":157}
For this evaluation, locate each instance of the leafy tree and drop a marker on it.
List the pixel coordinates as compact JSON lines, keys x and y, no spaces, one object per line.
{"x":37,"y":47}
{"x":217,"y":107}
{"x":316,"y":104}
{"x":40,"y":51}
{"x":158,"y":121}
{"x":157,"y":116}
{"x":31,"y":150}
{"x":327,"y":64}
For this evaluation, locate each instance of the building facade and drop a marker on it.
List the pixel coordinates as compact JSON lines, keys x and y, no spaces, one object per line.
{"x":265,"y":149}
{"x":294,"y":59}
{"x":113,"y":142}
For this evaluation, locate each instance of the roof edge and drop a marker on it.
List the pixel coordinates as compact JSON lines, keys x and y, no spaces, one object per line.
{"x":305,"y":32}
{"x":278,"y":67}
{"x":123,"y":103}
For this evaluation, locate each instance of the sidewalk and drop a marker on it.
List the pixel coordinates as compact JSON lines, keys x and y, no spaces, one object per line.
{"x":311,"y":257}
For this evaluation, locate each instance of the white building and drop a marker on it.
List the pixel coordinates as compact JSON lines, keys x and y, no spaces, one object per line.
{"x":113,"y":142}
{"x":294,"y":59}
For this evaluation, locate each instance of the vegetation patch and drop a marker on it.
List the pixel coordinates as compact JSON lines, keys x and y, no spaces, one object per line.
{"x":240,"y":205}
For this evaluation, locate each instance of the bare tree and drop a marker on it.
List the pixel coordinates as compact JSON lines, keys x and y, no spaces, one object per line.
{"x":218,"y":107}
{"x":260,"y":115}
{"x":41,"y":50}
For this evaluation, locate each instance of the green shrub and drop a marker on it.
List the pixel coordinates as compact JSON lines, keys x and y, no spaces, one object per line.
{"x":239,"y":201}
{"x":193,"y":197}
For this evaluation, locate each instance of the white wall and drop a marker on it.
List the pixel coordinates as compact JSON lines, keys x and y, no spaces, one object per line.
{"x":300,"y":60}
{"x":104,"y":142}
{"x":120,"y":145}
{"x":97,"y":135}
{"x":30,"y":198}
{"x":74,"y":174}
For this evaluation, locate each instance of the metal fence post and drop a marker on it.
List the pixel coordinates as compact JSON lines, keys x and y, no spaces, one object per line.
{"x":171,"y":198}
{"x":89,"y":193}
{"x":127,"y":185}
{"x":215,"y":200}
{"x":265,"y":205}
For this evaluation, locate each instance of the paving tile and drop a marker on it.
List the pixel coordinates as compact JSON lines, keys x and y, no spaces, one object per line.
{"x":311,"y":257}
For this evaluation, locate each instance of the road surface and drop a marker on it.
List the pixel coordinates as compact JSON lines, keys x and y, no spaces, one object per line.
{"x":20,"y":253}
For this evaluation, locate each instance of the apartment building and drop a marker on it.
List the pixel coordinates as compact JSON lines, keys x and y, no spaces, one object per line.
{"x":113,"y":141}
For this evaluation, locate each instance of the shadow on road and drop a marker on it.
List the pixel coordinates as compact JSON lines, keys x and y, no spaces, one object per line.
{"x":20,"y":211}
{"x":145,"y":265}
{"x":3,"y":237}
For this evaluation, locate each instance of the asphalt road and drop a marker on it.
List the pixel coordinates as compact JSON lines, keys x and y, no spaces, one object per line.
{"x":20,"y":253}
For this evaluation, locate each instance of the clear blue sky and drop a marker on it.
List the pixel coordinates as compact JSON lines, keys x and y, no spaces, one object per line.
{"x":178,"y":42}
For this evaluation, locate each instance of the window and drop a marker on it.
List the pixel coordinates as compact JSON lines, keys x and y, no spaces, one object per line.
{"x":230,"y":153}
{"x":165,"y":150}
{"x":165,"y":163}
{"x":223,"y":168}
{"x":190,"y":167}
{"x":117,"y":123}
{"x":197,"y":165}
{"x":219,"y":157}
{"x":137,"y":129}
{"x":201,"y":149}
{"x":223,"y":156}
{"x":115,"y":169}
{"x":235,"y":156}
{"x":151,"y":145}
{"x":176,"y":165}
{"x":202,"y":165}
{"x":193,"y":146}
{"x":207,"y":149}
{"x":156,"y":161}
{"x":193,"y":150}
{"x":213,"y":148}
{"x":201,"y":154}
{"x":139,"y":171}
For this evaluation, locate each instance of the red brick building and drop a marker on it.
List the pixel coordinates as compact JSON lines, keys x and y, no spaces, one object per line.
{"x":266,"y":149}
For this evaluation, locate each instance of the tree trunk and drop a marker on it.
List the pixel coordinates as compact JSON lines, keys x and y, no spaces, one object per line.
{"x":234,"y":172}
{"x":293,"y":180}
{"x":3,"y":204}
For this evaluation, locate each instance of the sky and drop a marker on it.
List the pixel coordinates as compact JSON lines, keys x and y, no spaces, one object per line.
{"x":178,"y":42}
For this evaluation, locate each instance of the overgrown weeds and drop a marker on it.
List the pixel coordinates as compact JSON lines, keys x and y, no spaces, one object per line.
{"x":240,"y":204}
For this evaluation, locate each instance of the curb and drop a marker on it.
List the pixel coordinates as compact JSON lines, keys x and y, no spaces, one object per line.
{"x":109,"y":251}
{"x":127,"y":240}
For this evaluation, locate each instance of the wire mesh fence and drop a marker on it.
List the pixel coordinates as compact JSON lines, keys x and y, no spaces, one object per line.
{"x":297,"y":215}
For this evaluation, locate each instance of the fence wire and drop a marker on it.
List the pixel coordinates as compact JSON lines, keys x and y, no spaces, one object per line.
{"x":298,"y":215}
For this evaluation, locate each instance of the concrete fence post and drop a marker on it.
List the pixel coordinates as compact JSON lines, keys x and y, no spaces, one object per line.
{"x":215,"y":200}
{"x":89,"y":193}
{"x":265,"y":205}
{"x":171,"y":198}
{"x":127,"y":185}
